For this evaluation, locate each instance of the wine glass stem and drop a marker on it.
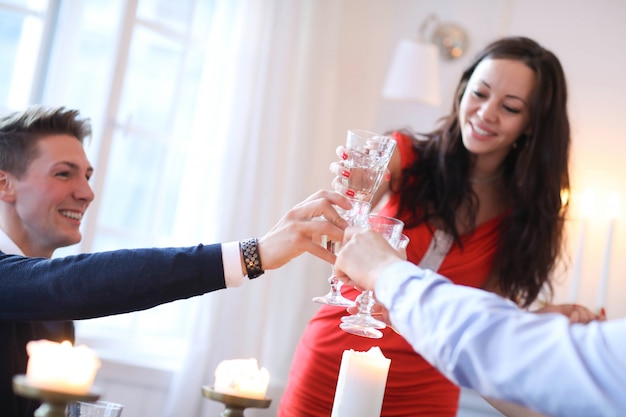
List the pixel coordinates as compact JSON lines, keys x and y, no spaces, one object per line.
{"x":335,"y":284}
{"x":366,"y":303}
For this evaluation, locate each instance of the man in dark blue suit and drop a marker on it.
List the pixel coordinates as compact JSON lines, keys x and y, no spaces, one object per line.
{"x":44,"y":194}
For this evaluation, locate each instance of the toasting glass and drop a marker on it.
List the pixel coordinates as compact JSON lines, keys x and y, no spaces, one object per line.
{"x":368,"y":156}
{"x":357,"y":215}
{"x":363,"y":323}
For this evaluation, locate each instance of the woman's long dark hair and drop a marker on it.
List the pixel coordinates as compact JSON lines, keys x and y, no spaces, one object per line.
{"x":437,"y":184}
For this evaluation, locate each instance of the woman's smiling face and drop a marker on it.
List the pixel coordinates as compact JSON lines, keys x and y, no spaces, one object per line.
{"x":495,"y":107}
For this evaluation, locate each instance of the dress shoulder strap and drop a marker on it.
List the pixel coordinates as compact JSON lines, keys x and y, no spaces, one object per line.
{"x":437,"y":250}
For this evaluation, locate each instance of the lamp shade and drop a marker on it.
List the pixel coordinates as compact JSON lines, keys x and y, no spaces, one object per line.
{"x":414,"y":73}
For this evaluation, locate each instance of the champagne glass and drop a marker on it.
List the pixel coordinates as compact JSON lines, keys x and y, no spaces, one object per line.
{"x":357,"y":215}
{"x":368,"y":156}
{"x":402,"y":244}
{"x":94,"y":409}
{"x":363,"y":323}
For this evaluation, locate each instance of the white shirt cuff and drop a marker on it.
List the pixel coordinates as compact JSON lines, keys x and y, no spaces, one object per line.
{"x":231,"y":258}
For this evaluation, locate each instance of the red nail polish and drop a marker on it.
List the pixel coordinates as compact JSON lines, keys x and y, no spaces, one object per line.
{"x":345,"y":173}
{"x":603,"y":312}
{"x":344,"y":155}
{"x":387,"y":176}
{"x":350,"y":193}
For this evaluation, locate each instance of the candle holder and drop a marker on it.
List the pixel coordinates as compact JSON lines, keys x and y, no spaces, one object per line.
{"x":53,"y":403}
{"x":234,"y":404}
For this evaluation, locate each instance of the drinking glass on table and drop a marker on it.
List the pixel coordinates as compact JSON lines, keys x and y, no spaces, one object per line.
{"x":95,"y":409}
{"x":362,"y":323}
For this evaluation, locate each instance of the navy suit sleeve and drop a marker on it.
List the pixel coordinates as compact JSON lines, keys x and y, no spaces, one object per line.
{"x":100,"y":284}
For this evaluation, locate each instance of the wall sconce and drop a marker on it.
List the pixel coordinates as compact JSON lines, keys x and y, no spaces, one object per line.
{"x":414,"y":71}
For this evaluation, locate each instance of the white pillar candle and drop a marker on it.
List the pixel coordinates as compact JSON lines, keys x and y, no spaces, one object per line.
{"x":586,"y":202}
{"x":578,"y":263}
{"x":241,"y":377}
{"x":61,"y":367}
{"x":613,"y":209}
{"x":361,"y":384}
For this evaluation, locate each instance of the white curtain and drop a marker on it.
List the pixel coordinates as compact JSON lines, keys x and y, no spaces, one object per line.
{"x":284,"y":80}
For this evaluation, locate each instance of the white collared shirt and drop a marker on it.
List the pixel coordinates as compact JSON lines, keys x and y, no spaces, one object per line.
{"x":8,"y":246}
{"x":231,"y":257}
{"x":484,"y":342}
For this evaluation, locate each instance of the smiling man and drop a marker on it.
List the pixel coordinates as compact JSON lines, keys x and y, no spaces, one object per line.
{"x":44,"y":174}
{"x":44,"y":193}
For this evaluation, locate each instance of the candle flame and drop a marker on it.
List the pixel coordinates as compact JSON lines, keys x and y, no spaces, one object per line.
{"x":586,"y":203}
{"x":241,"y":377}
{"x":565,"y":196}
{"x":60,"y":366}
{"x":612,"y":207}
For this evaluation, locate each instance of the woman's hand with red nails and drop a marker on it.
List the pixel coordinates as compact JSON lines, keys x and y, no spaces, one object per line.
{"x":341,"y":173}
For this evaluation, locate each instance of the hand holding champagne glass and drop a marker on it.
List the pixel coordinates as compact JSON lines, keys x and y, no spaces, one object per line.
{"x":363,"y":323}
{"x":368,"y":155}
{"x":355,"y":216}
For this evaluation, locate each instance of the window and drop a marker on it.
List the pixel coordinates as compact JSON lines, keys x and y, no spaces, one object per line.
{"x":134,"y":68}
{"x":22,"y":25}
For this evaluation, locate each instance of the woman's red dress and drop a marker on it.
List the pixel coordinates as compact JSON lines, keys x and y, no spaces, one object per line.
{"x":414,"y":388}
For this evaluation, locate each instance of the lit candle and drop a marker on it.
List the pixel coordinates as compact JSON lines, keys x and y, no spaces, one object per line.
{"x":361,"y":383}
{"x":586,"y":202}
{"x":613,"y":208}
{"x":241,"y":377}
{"x":61,"y":367}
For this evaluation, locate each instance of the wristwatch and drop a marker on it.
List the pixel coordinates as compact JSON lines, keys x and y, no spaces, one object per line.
{"x":252,"y":260}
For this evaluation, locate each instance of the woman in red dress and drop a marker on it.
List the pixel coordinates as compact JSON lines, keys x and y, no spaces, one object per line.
{"x":481,"y":200}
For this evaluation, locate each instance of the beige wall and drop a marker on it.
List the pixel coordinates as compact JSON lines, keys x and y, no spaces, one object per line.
{"x":588,"y":37}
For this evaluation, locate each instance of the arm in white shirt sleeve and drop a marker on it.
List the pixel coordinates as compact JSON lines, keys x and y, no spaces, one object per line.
{"x":482,"y":341}
{"x":231,"y":257}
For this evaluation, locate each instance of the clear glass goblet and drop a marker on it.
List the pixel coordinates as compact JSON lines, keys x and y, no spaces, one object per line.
{"x":357,"y":215}
{"x":363,"y":323}
{"x":368,"y":156}
{"x":402,"y":244}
